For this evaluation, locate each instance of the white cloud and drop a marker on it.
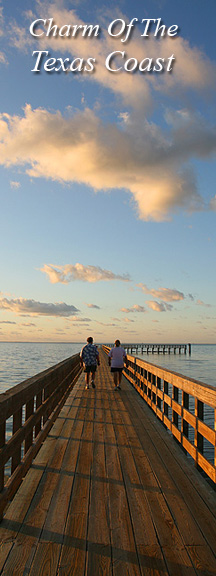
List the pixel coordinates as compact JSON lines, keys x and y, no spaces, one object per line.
{"x":15,"y":184}
{"x":158,"y":306}
{"x":22,"y":306}
{"x":93,"y":306}
{"x":134,"y":308}
{"x":166,"y":294}
{"x":139,"y":159}
{"x":73,"y":272}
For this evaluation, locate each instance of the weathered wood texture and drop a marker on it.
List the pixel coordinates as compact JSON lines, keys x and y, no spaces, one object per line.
{"x":181,"y":404}
{"x":32,"y":406}
{"x":109,"y":494}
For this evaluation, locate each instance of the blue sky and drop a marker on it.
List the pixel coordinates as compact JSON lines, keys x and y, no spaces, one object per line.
{"x":108,"y":197}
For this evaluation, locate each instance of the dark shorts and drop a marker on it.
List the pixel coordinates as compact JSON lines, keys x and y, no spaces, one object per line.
{"x":91,"y":368}
{"x":116,"y":369}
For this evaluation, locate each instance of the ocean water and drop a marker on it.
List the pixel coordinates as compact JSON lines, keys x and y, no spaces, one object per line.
{"x":22,"y":360}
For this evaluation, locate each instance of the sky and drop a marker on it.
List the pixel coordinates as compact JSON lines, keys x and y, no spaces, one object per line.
{"x":107,"y":171}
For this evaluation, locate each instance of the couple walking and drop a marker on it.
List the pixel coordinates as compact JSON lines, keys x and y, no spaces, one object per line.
{"x":89,"y":358}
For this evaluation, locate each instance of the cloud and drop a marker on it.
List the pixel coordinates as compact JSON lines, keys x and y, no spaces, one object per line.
{"x":6,"y":322}
{"x":134,"y":308}
{"x":127,"y":320}
{"x":159,"y":306}
{"x":3,"y":59}
{"x":22,"y":306}
{"x":201,"y":303}
{"x":166,"y":294}
{"x":137,"y":157}
{"x":15,"y":184}
{"x":74,"y":272}
{"x":213,"y":204}
{"x":105,"y":323}
{"x":78,"y":319}
{"x":93,"y":306}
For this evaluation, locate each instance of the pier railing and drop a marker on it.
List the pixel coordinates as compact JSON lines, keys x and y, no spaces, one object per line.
{"x":27,"y":412}
{"x":186,"y":407}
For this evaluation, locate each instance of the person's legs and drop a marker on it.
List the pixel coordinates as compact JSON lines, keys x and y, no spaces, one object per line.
{"x":87,"y":379}
{"x":115,"y":376}
{"x":120,"y":377}
{"x":93,"y":378}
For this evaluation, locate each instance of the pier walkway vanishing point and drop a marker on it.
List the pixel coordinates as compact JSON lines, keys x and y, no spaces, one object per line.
{"x":109,"y":493}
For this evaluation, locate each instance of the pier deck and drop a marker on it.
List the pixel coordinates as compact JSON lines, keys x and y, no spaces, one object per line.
{"x":109,"y":493}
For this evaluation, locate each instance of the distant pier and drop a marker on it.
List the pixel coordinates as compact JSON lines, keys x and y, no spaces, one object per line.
{"x":157,"y":348}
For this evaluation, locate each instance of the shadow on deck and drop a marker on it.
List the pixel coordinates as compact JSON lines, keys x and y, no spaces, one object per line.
{"x":109,"y":493}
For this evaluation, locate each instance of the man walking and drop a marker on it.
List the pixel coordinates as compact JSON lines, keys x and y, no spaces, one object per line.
{"x":89,"y":358}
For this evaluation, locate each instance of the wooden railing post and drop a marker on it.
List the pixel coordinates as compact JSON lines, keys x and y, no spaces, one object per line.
{"x":175,"y":396}
{"x":17,"y":423}
{"x":185,"y":404}
{"x":29,"y":412}
{"x":198,"y":438}
{"x":2,"y":443}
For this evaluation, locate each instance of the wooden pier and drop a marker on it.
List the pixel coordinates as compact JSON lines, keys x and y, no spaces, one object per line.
{"x":157,"y":348}
{"x":109,"y":493}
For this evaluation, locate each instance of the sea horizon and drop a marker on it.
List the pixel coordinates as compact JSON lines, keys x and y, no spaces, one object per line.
{"x":22,"y":360}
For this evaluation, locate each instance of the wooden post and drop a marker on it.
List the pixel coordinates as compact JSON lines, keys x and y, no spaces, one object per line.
{"x":198,"y":439}
{"x":29,"y":412}
{"x":2,"y":443}
{"x":185,"y":404}
{"x":175,"y":396}
{"x":17,"y":423}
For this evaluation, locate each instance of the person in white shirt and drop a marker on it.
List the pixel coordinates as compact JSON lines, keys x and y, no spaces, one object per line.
{"x":116,"y":358}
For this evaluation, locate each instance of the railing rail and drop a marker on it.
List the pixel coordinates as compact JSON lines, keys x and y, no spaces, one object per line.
{"x":182,"y":404}
{"x":30,"y":408}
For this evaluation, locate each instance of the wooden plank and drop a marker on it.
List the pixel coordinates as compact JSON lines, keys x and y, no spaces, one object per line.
{"x":48,"y":549}
{"x":73,"y":554}
{"x":23,"y":550}
{"x":15,"y":514}
{"x":125,"y":560}
{"x":150,"y":557}
{"x":99,"y":545}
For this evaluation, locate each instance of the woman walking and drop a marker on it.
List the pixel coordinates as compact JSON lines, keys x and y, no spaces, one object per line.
{"x":116,"y":358}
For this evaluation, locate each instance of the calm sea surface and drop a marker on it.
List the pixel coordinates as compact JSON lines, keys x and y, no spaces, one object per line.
{"x":21,"y":360}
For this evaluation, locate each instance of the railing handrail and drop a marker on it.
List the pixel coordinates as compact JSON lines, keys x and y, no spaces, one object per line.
{"x":34,"y":406}
{"x":14,"y":396}
{"x":152,"y":382}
